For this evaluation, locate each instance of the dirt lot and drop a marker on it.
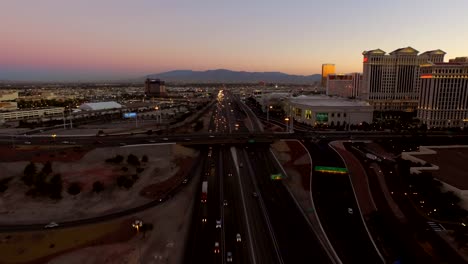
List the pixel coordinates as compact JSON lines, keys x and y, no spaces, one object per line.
{"x":87,"y":166}
{"x":41,"y":246}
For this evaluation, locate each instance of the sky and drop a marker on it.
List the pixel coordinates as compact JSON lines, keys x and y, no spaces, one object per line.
{"x":69,"y":40}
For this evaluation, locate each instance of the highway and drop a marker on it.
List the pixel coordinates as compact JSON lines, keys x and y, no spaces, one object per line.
{"x":247,"y":202}
{"x":295,"y":238}
{"x":236,"y":163}
{"x":333,"y":195}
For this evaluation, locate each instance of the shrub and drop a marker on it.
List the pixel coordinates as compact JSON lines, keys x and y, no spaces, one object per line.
{"x":55,"y":187}
{"x":133,"y":160}
{"x":144,"y":158}
{"x":135,"y":177}
{"x":47,"y":169}
{"x":29,"y":172}
{"x":74,"y":188}
{"x":124,"y":169}
{"x":139,"y":170}
{"x":117,"y":159}
{"x":98,"y":187}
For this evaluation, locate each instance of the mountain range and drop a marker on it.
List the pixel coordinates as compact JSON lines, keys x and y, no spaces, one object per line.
{"x":228,"y":76}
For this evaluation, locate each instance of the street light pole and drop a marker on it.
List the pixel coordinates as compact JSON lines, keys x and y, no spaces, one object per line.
{"x":64,"y":122}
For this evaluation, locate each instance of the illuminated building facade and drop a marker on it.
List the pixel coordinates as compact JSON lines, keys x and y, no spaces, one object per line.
{"x":344,"y":85}
{"x":326,"y":70}
{"x":444,"y":94}
{"x":326,"y":110}
{"x":391,"y":82}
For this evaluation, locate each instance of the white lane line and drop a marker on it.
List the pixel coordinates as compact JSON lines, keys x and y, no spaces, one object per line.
{"x":252,"y":251}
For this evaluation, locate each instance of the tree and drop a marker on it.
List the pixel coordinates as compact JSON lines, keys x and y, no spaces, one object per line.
{"x":133,"y":160}
{"x":98,"y":187}
{"x":121,"y":181}
{"x":55,"y":187}
{"x":144,"y":158}
{"x":74,"y":188}
{"x":47,"y":169}
{"x":29,"y":172}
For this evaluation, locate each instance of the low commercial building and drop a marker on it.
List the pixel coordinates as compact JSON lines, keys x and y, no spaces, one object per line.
{"x":8,"y":100}
{"x":31,"y":114}
{"x":332,"y":111}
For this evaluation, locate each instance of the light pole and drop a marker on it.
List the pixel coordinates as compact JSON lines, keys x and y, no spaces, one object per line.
{"x":268,"y":112}
{"x":287,"y":123}
{"x":137,"y":225}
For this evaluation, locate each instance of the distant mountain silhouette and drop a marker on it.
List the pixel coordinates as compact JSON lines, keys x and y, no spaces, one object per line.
{"x":227,"y":76}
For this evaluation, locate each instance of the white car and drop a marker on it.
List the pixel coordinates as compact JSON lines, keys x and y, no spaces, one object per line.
{"x":229,"y":257}
{"x":165,"y":139}
{"x":27,"y":142}
{"x":218,"y":223}
{"x":51,"y":225}
{"x":238,"y":238}
{"x":225,"y":203}
{"x":229,"y":174}
{"x":216,"y":247}
{"x":350,"y":211}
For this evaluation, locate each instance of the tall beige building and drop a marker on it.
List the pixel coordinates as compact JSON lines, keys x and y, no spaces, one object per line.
{"x":391,"y":82}
{"x":344,"y":85}
{"x":443,"y":98}
{"x":326,"y":70}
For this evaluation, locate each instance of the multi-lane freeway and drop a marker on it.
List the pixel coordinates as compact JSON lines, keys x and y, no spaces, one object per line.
{"x":247,"y":217}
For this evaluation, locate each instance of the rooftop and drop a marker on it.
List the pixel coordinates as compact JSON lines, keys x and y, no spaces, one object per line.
{"x":323,"y":100}
{"x":101,"y":105}
{"x":452,"y":165}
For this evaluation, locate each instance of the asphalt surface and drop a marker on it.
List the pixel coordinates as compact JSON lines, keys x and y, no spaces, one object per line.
{"x":333,"y":195}
{"x":406,"y":237}
{"x":296,"y":240}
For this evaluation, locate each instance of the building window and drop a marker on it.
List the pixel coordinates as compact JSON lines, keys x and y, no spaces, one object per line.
{"x":332,"y":114}
{"x":339,"y":115}
{"x":344,"y":115}
{"x":308,"y":114}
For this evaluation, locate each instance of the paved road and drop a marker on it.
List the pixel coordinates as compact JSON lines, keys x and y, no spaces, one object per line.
{"x":333,"y":195}
{"x":296,"y":240}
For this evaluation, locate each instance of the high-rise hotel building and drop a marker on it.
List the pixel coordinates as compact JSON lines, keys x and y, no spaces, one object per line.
{"x":344,"y":85}
{"x":444,"y":94}
{"x":326,"y":70}
{"x":391,"y":81}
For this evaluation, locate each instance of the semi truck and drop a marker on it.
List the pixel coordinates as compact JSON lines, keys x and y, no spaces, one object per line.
{"x":204,"y":195}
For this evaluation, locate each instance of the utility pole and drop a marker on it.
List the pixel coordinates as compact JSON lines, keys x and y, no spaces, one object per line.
{"x":71,"y":118}
{"x":64,"y":121}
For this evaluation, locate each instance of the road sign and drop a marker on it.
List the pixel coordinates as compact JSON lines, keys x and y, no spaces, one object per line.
{"x":130,"y":115}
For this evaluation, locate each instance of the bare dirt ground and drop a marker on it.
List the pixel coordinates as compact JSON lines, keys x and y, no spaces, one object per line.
{"x":86,"y":167}
{"x":164,"y":244}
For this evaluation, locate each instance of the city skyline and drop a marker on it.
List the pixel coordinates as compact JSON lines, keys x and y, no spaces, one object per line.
{"x":112,"y":40}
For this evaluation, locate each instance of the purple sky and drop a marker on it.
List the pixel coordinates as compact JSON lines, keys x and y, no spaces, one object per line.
{"x":118,"y":39}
